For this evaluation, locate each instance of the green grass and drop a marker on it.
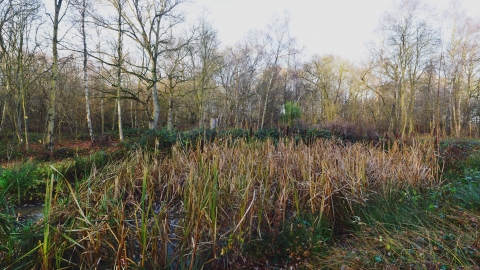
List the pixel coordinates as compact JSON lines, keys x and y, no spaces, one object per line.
{"x":21,"y":182}
{"x":421,"y":232}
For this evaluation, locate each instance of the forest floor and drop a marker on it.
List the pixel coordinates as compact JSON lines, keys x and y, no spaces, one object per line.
{"x":64,"y":148}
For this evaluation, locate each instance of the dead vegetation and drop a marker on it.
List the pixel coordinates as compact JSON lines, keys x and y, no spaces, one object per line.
{"x":221,"y":205}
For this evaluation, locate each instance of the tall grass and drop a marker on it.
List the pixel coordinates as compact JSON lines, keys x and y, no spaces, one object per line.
{"x":409,"y":235}
{"x":46,"y":218}
{"x":216,"y":204}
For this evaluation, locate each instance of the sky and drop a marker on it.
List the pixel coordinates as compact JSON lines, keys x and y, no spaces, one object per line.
{"x":339,"y":27}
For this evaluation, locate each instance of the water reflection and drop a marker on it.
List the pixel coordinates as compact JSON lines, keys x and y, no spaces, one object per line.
{"x":29,"y":212}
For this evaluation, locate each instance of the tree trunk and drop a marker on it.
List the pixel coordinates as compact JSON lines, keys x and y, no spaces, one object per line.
{"x":468,"y":113}
{"x":132,"y":122}
{"x":170,"y":105}
{"x":119,"y":71}
{"x":170,"y":113}
{"x":200,"y":115}
{"x":119,"y":113}
{"x":269,"y":89}
{"x":22,"y":87}
{"x":25,"y":119}
{"x":236,"y":111}
{"x":264,"y":109}
{"x":4,"y":111}
{"x":136,"y":115}
{"x":115,"y":112}
{"x":456,"y":107}
{"x":85,"y":74}
{"x":53,"y":89}
{"x":156,"y":102}
{"x":102,"y":115}
{"x":18,"y":121}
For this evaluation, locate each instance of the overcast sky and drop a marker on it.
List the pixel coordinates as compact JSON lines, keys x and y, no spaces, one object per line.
{"x":340,"y":27}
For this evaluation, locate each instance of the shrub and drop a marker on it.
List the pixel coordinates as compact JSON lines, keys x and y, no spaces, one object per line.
{"x":165,"y":138}
{"x":268,"y":133}
{"x":315,"y":133}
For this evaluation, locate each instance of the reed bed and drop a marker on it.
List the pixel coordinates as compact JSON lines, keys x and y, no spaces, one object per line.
{"x":214,"y":204}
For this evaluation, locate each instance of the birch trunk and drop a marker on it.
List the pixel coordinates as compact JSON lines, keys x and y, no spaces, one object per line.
{"x":119,"y":71}
{"x":53,"y":90}
{"x":85,"y":74}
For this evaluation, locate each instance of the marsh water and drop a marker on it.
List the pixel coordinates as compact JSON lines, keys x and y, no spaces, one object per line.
{"x":29,"y":212}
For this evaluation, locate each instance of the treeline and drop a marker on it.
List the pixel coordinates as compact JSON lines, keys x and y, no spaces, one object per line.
{"x":142,"y":66}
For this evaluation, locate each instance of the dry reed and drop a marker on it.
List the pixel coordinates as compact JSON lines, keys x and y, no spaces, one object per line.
{"x":197,"y":205}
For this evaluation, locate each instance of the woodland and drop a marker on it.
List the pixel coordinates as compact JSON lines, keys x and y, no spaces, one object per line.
{"x":76,"y":71}
{"x":142,"y":142}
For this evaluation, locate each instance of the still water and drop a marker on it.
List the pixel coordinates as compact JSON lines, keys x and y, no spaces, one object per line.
{"x":29,"y":212}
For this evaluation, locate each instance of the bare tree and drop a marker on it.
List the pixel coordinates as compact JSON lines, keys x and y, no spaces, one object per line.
{"x":204,"y":61}
{"x":18,"y":46}
{"x":328,"y":78}
{"x":408,"y":44}
{"x":462,"y":66}
{"x":173,"y":66}
{"x":277,"y":44}
{"x":151,"y":25}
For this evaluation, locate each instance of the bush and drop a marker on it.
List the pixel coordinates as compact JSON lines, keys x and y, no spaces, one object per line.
{"x":268,"y":133}
{"x":313,"y":134}
{"x":164,"y":139}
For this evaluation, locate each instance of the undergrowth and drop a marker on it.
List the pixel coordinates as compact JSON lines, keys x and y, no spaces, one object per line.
{"x":272,"y":204}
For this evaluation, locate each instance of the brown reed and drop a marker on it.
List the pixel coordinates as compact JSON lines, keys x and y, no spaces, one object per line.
{"x":190,"y":207}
